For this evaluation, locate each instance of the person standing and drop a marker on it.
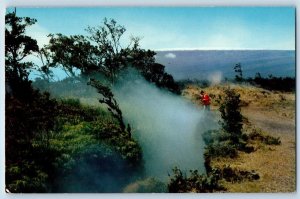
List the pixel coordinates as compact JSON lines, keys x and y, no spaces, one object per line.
{"x":205,"y":100}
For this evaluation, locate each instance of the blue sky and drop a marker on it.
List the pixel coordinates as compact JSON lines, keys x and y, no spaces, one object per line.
{"x":177,"y":27}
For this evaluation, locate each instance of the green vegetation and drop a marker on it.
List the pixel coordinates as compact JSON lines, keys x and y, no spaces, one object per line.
{"x":55,"y":145}
{"x":17,"y":47}
{"x":234,"y":175}
{"x":231,"y":115}
{"x":212,"y":182}
{"x":109,"y":100}
{"x":60,"y":145}
{"x":287,"y":84}
{"x":226,"y":141}
{"x":258,"y":134}
{"x":29,"y":125}
{"x":91,"y":143}
{"x":66,"y":136}
{"x":180,"y":183}
{"x":102,"y":53}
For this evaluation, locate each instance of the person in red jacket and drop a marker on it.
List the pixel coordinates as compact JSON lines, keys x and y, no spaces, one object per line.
{"x":205,"y":99}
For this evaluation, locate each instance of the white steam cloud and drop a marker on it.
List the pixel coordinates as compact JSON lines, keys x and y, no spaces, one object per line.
{"x":170,"y":55}
{"x":167,"y":126}
{"x":215,"y":77}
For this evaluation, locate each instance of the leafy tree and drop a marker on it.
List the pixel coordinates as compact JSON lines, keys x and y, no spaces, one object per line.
{"x":238,"y":69}
{"x":46,"y":64}
{"x":101,"y":52}
{"x":29,"y":114}
{"x":17,"y":47}
{"x":144,"y":61}
{"x":73,"y":53}
{"x":45,"y":137}
{"x":107,"y":40}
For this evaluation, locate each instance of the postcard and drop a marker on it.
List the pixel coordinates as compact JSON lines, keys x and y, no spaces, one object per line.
{"x":150,"y":99}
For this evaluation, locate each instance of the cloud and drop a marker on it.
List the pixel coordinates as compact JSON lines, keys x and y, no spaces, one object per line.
{"x":170,"y":55}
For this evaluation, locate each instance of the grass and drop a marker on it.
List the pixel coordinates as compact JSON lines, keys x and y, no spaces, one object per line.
{"x":274,"y":114}
{"x":250,"y":96}
{"x":276,"y":172}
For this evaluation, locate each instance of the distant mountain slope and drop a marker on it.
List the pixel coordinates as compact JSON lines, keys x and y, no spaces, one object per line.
{"x":202,"y":63}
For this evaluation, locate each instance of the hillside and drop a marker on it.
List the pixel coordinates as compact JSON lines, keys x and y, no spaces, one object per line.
{"x":266,"y":111}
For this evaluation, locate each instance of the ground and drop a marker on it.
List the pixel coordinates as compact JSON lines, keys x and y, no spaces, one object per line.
{"x":272,"y":112}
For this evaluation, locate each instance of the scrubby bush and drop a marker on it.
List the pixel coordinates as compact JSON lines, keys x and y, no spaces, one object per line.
{"x":215,"y":136}
{"x":231,"y":114}
{"x":258,"y":134}
{"x":180,"y":183}
{"x":221,"y":149}
{"x":235,"y":175}
{"x":226,"y":142}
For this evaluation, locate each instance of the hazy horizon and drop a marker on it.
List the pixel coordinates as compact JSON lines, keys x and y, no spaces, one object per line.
{"x":205,"y":64}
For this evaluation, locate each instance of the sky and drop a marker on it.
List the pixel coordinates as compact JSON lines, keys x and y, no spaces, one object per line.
{"x":173,"y":28}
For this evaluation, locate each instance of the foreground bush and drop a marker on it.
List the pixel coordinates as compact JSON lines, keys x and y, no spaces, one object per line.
{"x":29,"y":123}
{"x":91,"y":147}
{"x":60,"y":146}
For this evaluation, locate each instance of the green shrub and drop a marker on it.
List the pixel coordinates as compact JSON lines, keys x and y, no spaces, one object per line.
{"x":180,"y":183}
{"x":232,"y":119}
{"x":226,"y":142}
{"x":50,"y":137}
{"x":29,"y":126}
{"x":235,"y":175}
{"x":221,"y":149}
